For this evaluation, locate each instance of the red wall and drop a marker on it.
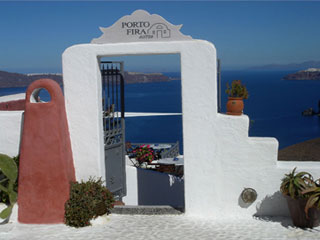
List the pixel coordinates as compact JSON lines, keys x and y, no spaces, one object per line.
{"x":46,"y":163}
{"x":13,"y":105}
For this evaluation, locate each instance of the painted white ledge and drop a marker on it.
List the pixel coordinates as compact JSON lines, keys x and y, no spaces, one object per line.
{"x":12,"y":97}
{"x":10,"y":132}
{"x":290,"y":165}
{"x":146,"y":114}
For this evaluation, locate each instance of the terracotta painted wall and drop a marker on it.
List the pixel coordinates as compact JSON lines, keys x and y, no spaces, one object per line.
{"x":46,"y":163}
{"x":15,"y":105}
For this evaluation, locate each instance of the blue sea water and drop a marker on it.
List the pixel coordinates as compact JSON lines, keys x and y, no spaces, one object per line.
{"x":10,"y":91}
{"x":164,"y":97}
{"x":274,"y":107}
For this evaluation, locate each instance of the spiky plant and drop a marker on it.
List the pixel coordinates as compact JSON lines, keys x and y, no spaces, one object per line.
{"x":293,"y":184}
{"x":313,"y":194}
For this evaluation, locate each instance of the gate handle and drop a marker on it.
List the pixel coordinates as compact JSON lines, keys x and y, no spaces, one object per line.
{"x":50,"y":85}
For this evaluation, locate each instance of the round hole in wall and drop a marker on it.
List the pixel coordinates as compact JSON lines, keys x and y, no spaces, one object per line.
{"x":40,"y":95}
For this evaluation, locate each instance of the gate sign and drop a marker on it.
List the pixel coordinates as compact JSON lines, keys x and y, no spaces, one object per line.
{"x":141,"y":26}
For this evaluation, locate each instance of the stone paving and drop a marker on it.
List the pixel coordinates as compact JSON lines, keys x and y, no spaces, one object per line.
{"x":163,"y":227}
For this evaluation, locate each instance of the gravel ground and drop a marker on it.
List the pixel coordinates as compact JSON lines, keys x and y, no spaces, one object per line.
{"x":167,"y":227}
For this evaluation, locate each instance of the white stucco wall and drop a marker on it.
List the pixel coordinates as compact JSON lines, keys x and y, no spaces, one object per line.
{"x":11,"y":127}
{"x":220,"y":159}
{"x":12,"y":97}
{"x":132,"y":186}
{"x":10,"y":132}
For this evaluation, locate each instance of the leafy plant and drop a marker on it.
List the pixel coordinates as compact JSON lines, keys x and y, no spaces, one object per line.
{"x":293,"y":184}
{"x":8,"y":183}
{"x":88,"y":200}
{"x":313,"y":194}
{"x":144,"y":154}
{"x":237,"y":89}
{"x":4,"y":197}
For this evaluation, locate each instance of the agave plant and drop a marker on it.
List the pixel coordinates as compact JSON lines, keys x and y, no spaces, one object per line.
{"x":293,"y":184}
{"x":313,"y":194}
{"x":9,"y":174}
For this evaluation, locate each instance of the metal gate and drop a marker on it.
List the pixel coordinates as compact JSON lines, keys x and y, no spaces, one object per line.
{"x":114,"y":127}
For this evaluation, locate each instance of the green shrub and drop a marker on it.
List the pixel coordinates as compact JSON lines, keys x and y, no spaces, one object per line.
{"x":88,"y":200}
{"x":4,"y":197}
{"x":8,"y":183}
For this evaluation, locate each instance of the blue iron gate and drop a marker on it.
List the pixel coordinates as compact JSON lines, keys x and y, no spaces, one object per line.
{"x":114,"y":127}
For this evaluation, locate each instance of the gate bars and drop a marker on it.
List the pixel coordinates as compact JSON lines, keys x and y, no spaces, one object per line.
{"x":112,"y":100}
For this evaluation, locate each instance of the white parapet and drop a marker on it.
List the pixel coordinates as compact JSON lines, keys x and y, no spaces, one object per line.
{"x":147,"y":114}
{"x":12,"y":97}
{"x":10,"y":132}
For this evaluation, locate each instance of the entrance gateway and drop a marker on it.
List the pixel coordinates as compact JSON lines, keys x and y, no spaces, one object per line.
{"x":82,"y":77}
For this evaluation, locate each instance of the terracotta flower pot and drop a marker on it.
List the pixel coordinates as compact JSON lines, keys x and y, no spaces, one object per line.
{"x":235,"y":106}
{"x":299,"y":218}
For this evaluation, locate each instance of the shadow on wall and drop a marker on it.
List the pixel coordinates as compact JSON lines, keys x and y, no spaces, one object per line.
{"x":155,"y":188}
{"x":277,"y":205}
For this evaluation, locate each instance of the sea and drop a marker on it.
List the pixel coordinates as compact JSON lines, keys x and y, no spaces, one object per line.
{"x":274,"y":107}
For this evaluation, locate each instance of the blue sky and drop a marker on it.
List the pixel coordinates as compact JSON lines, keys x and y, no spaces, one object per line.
{"x":33,"y":35}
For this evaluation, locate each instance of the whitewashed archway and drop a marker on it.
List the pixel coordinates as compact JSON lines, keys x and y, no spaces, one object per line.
{"x":82,"y":87}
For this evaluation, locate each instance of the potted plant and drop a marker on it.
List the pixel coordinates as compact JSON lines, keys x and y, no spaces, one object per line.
{"x":236,"y":93}
{"x":302,"y":195}
{"x":313,"y":203}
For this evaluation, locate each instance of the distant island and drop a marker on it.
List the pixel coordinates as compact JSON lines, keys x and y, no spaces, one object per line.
{"x":138,"y":77}
{"x":8,"y":79}
{"x":287,"y":67}
{"x":308,"y":74}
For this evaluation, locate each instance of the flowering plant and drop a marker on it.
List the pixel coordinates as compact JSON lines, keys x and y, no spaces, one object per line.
{"x":144,"y":154}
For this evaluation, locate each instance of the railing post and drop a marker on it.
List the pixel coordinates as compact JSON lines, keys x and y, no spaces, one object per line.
{"x":219,"y":84}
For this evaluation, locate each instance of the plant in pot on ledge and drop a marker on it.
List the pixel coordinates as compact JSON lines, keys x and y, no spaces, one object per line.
{"x":303,"y":198}
{"x":236,"y":93}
